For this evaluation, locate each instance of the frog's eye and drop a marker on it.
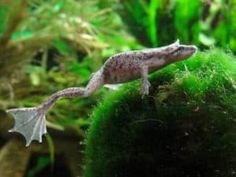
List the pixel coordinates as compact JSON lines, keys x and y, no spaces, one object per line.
{"x":179,"y":51}
{"x":181,"y":48}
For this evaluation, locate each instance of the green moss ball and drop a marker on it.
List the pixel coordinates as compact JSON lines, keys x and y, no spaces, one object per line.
{"x":186,"y":127}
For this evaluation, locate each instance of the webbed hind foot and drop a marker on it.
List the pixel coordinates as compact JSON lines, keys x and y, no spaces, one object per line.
{"x":30,"y":122}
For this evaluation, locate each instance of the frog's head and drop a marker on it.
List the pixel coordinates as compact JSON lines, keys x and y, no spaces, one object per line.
{"x":181,"y":52}
{"x":169,"y":54}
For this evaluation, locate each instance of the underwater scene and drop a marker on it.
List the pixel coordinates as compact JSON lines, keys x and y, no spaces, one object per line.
{"x":117,"y":88}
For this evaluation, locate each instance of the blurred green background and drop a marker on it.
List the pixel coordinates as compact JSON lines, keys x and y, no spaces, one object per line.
{"x":48,"y":45}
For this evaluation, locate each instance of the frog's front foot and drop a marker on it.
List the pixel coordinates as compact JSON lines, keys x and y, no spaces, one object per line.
{"x":145,"y":88}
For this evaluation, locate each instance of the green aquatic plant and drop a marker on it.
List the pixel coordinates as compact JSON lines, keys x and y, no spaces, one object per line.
{"x":204,"y":23}
{"x":186,"y":127}
{"x":144,"y":20}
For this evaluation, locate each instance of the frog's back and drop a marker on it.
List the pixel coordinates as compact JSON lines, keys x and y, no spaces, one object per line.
{"x":122,"y":67}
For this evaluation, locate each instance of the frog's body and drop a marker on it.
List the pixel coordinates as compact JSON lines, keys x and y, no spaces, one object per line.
{"x":119,"y":68}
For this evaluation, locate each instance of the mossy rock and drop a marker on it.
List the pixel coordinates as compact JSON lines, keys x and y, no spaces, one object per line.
{"x":186,"y":127}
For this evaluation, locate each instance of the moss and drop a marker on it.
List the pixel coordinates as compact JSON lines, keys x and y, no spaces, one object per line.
{"x":185,"y":127}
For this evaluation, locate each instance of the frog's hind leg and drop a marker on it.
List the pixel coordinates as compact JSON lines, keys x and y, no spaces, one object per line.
{"x":95,"y":83}
{"x":31,"y":122}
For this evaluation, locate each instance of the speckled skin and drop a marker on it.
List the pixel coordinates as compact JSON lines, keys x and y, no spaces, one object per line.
{"x":119,"y":68}
{"x":128,"y":66}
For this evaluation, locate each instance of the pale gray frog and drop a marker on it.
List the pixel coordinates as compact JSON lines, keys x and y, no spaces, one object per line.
{"x":119,"y":68}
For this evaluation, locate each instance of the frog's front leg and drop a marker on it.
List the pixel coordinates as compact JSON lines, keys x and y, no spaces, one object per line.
{"x":145,"y":83}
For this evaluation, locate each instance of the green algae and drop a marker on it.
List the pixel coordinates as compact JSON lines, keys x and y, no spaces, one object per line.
{"x":185,"y":127}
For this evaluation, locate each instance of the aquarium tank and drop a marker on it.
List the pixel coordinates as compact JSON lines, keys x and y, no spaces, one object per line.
{"x":117,"y":88}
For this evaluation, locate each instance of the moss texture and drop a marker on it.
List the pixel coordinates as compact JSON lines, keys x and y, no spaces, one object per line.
{"x":185,"y":128}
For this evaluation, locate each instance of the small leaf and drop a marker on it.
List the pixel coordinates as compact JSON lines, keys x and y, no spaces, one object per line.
{"x":51,"y":148}
{"x":3,"y":17}
{"x":206,"y":40}
{"x":62,"y":46}
{"x":22,"y":34}
{"x":35,"y":80}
